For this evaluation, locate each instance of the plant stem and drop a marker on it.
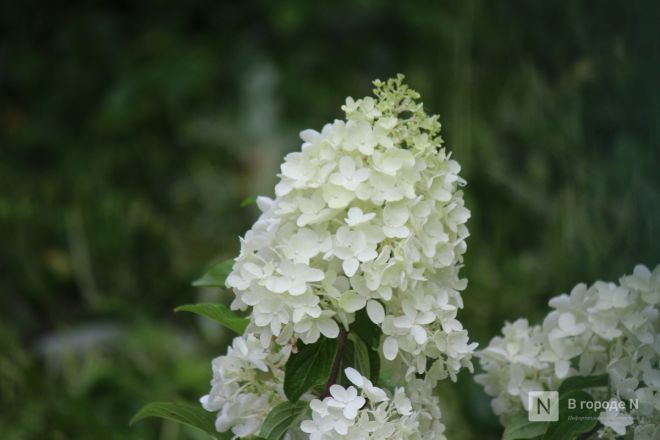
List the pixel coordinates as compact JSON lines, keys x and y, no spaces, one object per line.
{"x":334,"y":373}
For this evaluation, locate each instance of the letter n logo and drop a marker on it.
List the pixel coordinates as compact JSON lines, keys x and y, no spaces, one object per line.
{"x":543,"y":406}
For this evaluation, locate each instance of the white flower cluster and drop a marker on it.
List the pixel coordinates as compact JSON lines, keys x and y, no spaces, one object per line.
{"x":606,"y":328}
{"x":368,"y":214}
{"x":246,"y":385}
{"x":371,"y":414}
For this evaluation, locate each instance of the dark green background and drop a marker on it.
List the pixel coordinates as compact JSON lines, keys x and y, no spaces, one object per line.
{"x":131,"y":131}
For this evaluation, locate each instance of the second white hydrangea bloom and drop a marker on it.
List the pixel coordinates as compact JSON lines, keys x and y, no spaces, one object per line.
{"x":606,"y":328}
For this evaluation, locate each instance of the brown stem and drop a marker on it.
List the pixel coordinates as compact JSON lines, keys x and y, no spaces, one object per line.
{"x":334,"y":373}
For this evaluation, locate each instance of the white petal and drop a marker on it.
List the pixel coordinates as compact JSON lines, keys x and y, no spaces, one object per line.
{"x":308,"y":426}
{"x":403,"y":322}
{"x":419,"y":334}
{"x":352,"y":302}
{"x":566,"y":322}
{"x":347,"y":166}
{"x":390,"y":348}
{"x":341,"y":427}
{"x":353,"y":407}
{"x":350,"y":266}
{"x":561,"y":368}
{"x":328,"y":327}
{"x":309,"y":135}
{"x":361,"y":175}
{"x":312,"y":274}
{"x":317,"y":406}
{"x":377,"y":395}
{"x":338,"y":392}
{"x":298,"y":314}
{"x":376,"y":311}
{"x":354,"y":376}
{"x":354,"y":215}
{"x":395,"y":214}
{"x":428,"y":317}
{"x":278,"y":284}
{"x":298,"y":287}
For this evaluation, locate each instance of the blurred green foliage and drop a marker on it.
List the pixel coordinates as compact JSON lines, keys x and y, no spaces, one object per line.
{"x":130,"y":132}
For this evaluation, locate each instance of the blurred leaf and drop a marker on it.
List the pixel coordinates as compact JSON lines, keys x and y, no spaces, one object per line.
{"x":581,"y":420}
{"x":519,"y":427}
{"x":581,"y":382}
{"x":248,"y":201}
{"x":309,"y":367}
{"x":216,"y":275}
{"x":280,"y":419}
{"x":185,"y":413}
{"x":219,"y":313}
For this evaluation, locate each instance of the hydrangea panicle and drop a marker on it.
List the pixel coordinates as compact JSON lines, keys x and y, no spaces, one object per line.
{"x":367,"y":215}
{"x":605,"y":328}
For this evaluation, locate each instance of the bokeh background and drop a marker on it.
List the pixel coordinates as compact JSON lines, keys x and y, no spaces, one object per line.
{"x":131,"y":131}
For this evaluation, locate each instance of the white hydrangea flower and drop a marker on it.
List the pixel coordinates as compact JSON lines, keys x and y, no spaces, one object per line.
{"x":240,"y":391}
{"x":374,"y":394}
{"x":614,"y":418}
{"x":371,"y":414}
{"x":368,"y":214}
{"x":606,"y":328}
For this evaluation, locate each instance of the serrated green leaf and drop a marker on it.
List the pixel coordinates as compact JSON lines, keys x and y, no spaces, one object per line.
{"x":280,"y":419}
{"x":185,"y":413}
{"x":519,"y":427}
{"x":251,"y":200}
{"x":309,"y":367}
{"x":219,"y":313}
{"x":582,"y":382}
{"x":216,"y":275}
{"x":580,"y":421}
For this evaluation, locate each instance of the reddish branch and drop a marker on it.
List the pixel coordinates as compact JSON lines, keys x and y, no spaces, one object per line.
{"x":336,"y":365}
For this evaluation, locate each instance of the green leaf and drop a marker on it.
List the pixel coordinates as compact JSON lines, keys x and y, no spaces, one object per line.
{"x":374,"y":362}
{"x":581,"y":420}
{"x":519,"y":427}
{"x":347,"y":358}
{"x":581,"y":382}
{"x":185,"y":413}
{"x":280,"y":419}
{"x":309,"y":367}
{"x":219,"y":313}
{"x":364,"y":359}
{"x":251,"y":200}
{"x":216,"y":275}
{"x":368,"y":331}
{"x":361,"y":361}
